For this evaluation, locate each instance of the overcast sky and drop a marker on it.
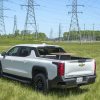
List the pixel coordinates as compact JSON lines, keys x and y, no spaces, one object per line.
{"x":52,"y":12}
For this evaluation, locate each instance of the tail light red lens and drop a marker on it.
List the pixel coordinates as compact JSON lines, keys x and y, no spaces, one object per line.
{"x":61,"y":69}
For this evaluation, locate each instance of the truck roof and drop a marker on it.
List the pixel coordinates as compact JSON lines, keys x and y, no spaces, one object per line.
{"x":36,"y":45}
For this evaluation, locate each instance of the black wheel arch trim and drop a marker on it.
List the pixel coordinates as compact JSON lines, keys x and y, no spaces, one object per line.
{"x":39,"y":69}
{"x":0,"y":64}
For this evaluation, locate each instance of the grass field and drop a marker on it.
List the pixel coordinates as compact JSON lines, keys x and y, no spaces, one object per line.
{"x":12,"y":90}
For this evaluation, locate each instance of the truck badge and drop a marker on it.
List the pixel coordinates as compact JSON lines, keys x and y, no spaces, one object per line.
{"x":81,"y":65}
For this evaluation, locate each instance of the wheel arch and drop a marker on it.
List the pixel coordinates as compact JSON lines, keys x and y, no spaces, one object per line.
{"x":39,"y":69}
{"x":0,"y":64}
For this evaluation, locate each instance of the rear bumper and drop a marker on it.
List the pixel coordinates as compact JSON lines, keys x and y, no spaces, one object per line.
{"x":72,"y":82}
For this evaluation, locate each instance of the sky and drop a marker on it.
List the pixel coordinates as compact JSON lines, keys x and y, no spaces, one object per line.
{"x":51,"y":13}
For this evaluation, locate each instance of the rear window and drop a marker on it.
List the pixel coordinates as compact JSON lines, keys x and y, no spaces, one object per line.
{"x":50,"y":50}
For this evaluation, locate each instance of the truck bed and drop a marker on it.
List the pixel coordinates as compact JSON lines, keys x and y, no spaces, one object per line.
{"x":74,"y":66}
{"x":65,"y":57}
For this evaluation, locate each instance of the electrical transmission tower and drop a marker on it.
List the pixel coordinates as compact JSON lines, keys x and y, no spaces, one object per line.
{"x":51,"y":34}
{"x":59,"y":32}
{"x":30,"y":23}
{"x":2,"y":24}
{"x":15,"y":25}
{"x":74,"y":30}
{"x":93,"y":35}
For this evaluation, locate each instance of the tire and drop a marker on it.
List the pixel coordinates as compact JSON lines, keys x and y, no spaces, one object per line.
{"x":41,"y":83}
{"x":0,"y":71}
{"x":76,"y":88}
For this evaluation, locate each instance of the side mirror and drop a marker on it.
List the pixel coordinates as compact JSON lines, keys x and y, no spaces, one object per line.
{"x":3,"y":54}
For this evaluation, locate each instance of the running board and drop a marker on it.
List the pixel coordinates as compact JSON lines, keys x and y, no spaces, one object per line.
{"x":17,"y":79}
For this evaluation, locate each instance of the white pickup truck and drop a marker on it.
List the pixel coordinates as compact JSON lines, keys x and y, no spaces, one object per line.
{"x":46,"y":66}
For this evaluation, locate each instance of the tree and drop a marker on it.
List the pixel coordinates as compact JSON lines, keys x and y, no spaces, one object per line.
{"x":42,"y":36}
{"x":17,"y":32}
{"x":86,"y":35}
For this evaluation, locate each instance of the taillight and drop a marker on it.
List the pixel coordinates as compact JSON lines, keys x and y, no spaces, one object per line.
{"x":95,"y":67}
{"x":61,"y":69}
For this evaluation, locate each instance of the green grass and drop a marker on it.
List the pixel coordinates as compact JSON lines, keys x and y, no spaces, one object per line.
{"x":12,"y":90}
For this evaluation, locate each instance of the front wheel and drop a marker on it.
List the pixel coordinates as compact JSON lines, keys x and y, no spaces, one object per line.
{"x":41,"y":83}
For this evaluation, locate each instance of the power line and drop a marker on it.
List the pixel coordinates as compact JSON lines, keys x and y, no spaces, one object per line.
{"x":15,"y":3}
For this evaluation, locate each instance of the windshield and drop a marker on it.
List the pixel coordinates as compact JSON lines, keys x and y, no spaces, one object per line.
{"x":50,"y":50}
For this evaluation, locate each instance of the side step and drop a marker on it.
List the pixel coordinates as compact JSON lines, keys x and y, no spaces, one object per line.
{"x":17,"y":79}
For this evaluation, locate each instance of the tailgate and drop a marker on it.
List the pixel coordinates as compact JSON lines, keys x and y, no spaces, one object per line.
{"x":76,"y":68}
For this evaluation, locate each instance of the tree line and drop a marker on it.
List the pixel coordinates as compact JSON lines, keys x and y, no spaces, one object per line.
{"x":83,"y":35}
{"x":73,"y":35}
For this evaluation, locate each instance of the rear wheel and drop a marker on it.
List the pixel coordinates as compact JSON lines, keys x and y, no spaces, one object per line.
{"x":0,"y":71}
{"x":76,"y":88}
{"x":41,"y":83}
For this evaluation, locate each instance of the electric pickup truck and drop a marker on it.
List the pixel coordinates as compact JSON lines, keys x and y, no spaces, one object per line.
{"x":46,"y":66}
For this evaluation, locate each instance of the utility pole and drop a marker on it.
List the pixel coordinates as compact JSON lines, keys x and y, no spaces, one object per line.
{"x":74,"y":30}
{"x":84,"y":29}
{"x":15,"y":25}
{"x":59,"y":32}
{"x":93,"y":36}
{"x":31,"y":18}
{"x":2,"y":24}
{"x":85,"y":33}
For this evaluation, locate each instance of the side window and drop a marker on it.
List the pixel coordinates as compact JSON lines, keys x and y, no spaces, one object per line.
{"x":13,"y":51}
{"x":42,"y":51}
{"x":25,"y":51}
